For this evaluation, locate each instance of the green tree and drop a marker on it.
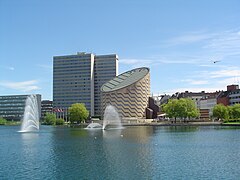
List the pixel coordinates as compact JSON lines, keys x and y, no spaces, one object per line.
{"x":78,"y":113}
{"x":230,"y":112}
{"x":182,"y":108}
{"x":50,"y":119}
{"x":234,"y":111}
{"x":192,"y":111}
{"x":2,"y":121}
{"x":171,"y":109}
{"x":59,"y":121}
{"x":220,"y":112}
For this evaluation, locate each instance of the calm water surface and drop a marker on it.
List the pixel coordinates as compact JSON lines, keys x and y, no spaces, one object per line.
{"x":132,"y":153}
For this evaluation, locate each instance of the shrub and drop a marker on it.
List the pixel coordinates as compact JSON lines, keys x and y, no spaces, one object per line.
{"x":2,"y":121}
{"x":50,"y":119}
{"x":59,"y":121}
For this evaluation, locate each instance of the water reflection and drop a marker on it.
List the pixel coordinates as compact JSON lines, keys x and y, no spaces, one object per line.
{"x":139,"y":134}
{"x":29,"y":137}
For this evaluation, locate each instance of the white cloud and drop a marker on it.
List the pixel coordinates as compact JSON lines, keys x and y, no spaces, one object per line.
{"x":195,"y":82}
{"x":229,"y":81}
{"x":221,"y":44}
{"x":24,"y":86}
{"x":224,"y":73}
{"x":135,"y":61}
{"x":160,"y":60}
{"x":226,"y":43}
{"x":189,"y":38}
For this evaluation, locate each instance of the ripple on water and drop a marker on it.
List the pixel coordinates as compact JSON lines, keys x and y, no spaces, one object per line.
{"x":142,"y":153}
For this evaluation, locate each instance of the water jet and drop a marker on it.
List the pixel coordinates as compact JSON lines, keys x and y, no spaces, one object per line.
{"x":111,"y":118}
{"x":30,"y":121}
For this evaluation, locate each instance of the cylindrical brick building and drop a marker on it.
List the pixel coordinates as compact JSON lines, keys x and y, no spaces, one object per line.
{"x":128,"y":92}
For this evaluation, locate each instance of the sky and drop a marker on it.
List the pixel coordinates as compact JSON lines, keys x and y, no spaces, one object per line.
{"x":179,"y":40}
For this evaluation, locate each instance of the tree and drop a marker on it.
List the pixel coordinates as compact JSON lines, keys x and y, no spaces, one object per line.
{"x":50,"y":119}
{"x":220,"y":111}
{"x":171,"y":108}
{"x":78,"y":113}
{"x":234,"y":111}
{"x":182,"y":108}
{"x":192,"y":111}
{"x":230,"y":112}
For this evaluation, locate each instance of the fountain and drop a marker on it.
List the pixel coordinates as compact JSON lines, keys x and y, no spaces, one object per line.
{"x":111,"y":119}
{"x":94,"y":126}
{"x":30,"y":121}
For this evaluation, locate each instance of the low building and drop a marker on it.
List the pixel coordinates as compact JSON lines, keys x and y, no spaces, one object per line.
{"x":223,"y":98}
{"x":128,"y":92}
{"x":46,"y":107}
{"x":207,"y":104}
{"x":204,"y":114}
{"x":152,"y":110}
{"x":12,"y":107}
{"x":204,"y":101}
{"x":229,"y":97}
{"x":234,"y":97}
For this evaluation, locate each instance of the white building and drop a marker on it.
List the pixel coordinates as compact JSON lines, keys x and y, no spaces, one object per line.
{"x":207,"y":103}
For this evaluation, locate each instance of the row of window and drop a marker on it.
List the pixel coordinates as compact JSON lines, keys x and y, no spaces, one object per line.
{"x":68,"y":99}
{"x":71,"y":84}
{"x":58,"y":73}
{"x":71,"y":88}
{"x":235,"y":97}
{"x":10,"y":112}
{"x":71,"y":58}
{"x":80,"y":67}
{"x":16,"y":101}
{"x":235,"y":92}
{"x":11,"y":107}
{"x":11,"y":104}
{"x":13,"y":97}
{"x":75,"y":91}
{"x":69,"y":79}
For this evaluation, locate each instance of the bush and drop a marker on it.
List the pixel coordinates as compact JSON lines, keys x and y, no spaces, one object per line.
{"x":59,"y":121}
{"x":50,"y":119}
{"x":2,"y":121}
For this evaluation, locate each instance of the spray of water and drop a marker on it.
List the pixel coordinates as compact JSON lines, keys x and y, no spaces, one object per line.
{"x":30,"y":121}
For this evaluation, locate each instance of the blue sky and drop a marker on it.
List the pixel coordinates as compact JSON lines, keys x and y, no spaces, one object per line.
{"x":178,"y":39}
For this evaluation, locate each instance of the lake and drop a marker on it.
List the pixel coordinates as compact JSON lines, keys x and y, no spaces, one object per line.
{"x":173,"y":152}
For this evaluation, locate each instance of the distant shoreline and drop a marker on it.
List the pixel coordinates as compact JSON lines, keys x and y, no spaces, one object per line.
{"x":151,"y":124}
{"x":167,"y":124}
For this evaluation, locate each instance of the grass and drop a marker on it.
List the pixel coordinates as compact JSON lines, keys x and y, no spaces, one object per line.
{"x":231,"y":123}
{"x":11,"y":123}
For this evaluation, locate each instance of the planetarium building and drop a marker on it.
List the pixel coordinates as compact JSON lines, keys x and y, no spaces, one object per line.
{"x":128,"y":92}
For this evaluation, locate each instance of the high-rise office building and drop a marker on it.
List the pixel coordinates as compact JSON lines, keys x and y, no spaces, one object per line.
{"x":78,"y":79}
{"x":105,"y":68}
